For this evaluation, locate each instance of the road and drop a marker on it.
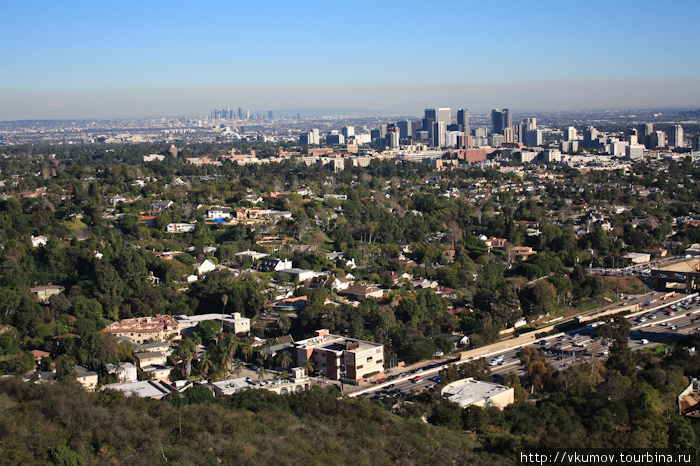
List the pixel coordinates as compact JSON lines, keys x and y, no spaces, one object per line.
{"x":658,"y":325}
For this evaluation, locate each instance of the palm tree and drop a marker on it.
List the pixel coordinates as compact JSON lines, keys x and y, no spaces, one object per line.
{"x":205,"y":363}
{"x":231,"y":344}
{"x":262,"y":373}
{"x":246,"y":349}
{"x":224,"y":300}
{"x":238,"y":368}
{"x":308,"y":366}
{"x":284,"y":359}
{"x":186,"y":351}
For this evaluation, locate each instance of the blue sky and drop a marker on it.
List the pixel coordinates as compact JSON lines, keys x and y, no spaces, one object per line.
{"x":131,"y":59}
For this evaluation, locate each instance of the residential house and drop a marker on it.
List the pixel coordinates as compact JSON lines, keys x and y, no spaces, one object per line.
{"x":46,"y":291}
{"x":151,"y":358}
{"x":146,"y":329}
{"x":39,"y":241}
{"x":86,"y":378}
{"x":219,"y":212}
{"x":523,"y":251}
{"x":114,"y":200}
{"x":272,"y":264}
{"x":300,"y":275}
{"x":250,"y":255}
{"x":362,"y":292}
{"x":162,"y":346}
{"x":159,"y":206}
{"x":493,"y":242}
{"x":204,"y":267}
{"x":125,"y":371}
{"x":181,"y":227}
{"x":232,"y":323}
{"x":290,"y":304}
{"x":341,"y":284}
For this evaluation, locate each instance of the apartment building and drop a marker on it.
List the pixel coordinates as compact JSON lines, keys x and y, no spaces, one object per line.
{"x":338,"y":357}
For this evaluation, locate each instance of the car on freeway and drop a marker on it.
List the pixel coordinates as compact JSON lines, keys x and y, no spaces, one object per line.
{"x":416,"y":378}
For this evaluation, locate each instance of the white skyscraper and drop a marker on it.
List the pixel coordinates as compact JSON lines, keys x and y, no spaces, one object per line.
{"x":444,"y":115}
{"x":676,"y":136}
{"x":439,"y":128}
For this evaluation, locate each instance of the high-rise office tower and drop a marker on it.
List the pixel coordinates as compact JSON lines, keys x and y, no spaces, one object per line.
{"x":571,"y":134}
{"x":405,"y":129}
{"x":509,"y":134}
{"x":269,"y":115}
{"x":431,"y":116}
{"x":317,"y":135}
{"x":392,"y":138}
{"x":507,"y":118}
{"x":695,"y":143}
{"x":676,"y":137}
{"x":500,"y":119}
{"x":247,"y":114}
{"x":533,"y":138}
{"x":463,"y":121}
{"x":438,"y":138}
{"x":530,"y":123}
{"x":382,"y":130}
{"x":444,"y":115}
{"x":644,"y":132}
{"x":348,"y":131}
{"x":496,"y":121}
{"x":240,"y":113}
{"x":306,"y":139}
{"x":589,"y":135}
{"x":657,"y":139}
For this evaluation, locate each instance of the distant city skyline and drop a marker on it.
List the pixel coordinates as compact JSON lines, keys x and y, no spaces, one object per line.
{"x":135,"y":60}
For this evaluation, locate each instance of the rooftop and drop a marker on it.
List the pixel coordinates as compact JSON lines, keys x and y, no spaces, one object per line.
{"x":468,"y":391}
{"x":335,"y":343}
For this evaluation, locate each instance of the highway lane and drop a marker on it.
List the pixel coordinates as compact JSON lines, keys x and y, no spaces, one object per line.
{"x":650,"y":327}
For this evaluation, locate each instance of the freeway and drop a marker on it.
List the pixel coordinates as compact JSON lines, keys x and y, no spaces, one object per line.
{"x":651,"y":327}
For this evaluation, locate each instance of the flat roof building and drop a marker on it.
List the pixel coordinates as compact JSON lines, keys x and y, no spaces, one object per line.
{"x":338,"y":357}
{"x":470,"y":392}
{"x":232,"y":323}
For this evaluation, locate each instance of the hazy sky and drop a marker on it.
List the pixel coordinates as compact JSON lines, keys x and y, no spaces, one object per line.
{"x":150,"y":58}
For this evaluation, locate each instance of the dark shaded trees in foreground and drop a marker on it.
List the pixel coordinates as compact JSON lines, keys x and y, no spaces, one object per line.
{"x":62,"y":424}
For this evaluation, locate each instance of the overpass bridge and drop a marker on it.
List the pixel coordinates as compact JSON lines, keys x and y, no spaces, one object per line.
{"x":686,"y":273}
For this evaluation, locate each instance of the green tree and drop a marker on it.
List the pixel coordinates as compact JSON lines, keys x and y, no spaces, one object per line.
{"x":681,"y":435}
{"x":284,"y":359}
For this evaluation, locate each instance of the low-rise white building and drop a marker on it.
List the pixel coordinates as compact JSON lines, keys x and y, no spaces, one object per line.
{"x":232,"y":323}
{"x":205,"y":266}
{"x":217,"y":211}
{"x":470,"y":392}
{"x":181,"y":227}
{"x":125,"y":371}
